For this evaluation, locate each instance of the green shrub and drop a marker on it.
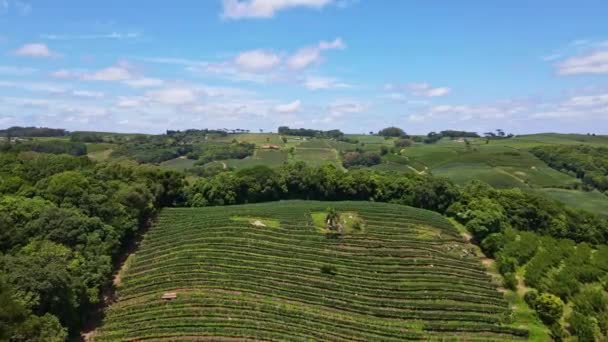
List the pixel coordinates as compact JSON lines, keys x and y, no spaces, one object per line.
{"x":329,"y":269}
{"x":549,"y":308}
{"x":510,"y":281}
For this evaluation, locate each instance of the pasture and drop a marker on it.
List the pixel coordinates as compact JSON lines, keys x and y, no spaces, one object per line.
{"x":592,"y":201}
{"x":269,"y":272}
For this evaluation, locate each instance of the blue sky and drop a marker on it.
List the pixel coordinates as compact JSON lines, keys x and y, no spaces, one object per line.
{"x":356,"y":65}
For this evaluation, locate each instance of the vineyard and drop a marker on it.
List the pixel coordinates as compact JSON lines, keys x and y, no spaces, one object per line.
{"x":269,"y":272}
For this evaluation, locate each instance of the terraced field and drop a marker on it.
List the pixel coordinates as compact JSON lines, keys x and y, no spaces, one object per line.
{"x":267,"y":272}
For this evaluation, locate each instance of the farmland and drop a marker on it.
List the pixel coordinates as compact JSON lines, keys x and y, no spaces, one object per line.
{"x":269,"y":272}
{"x":592,"y":201}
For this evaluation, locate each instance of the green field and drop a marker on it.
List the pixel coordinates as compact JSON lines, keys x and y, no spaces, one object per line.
{"x":267,"y":272}
{"x":317,"y":156}
{"x":270,"y":158}
{"x":178,"y":164}
{"x":592,"y":201}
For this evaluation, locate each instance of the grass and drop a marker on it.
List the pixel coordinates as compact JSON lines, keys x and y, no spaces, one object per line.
{"x":401,"y":277}
{"x":178,"y":164}
{"x":270,"y":158}
{"x":461,"y":173}
{"x":257,"y":221}
{"x":593,"y":201}
{"x":254,"y":138}
{"x":316,"y":156}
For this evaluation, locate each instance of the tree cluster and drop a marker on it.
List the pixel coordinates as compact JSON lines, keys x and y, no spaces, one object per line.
{"x":351,"y":159}
{"x":393,"y":132}
{"x":17,"y":131}
{"x":63,"y":222}
{"x":312,"y":133}
{"x":588,"y":163}
{"x":42,"y":146}
{"x":433,"y":137}
{"x":299,"y":181}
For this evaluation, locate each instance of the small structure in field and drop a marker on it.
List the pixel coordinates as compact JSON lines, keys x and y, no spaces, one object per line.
{"x":270,"y":147}
{"x":169,"y":296}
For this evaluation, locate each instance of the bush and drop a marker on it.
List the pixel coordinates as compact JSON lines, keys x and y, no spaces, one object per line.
{"x":549,"y":308}
{"x":583,"y":326}
{"x":329,"y":269}
{"x":401,"y":143}
{"x":510,"y":281}
{"x":530,"y":298}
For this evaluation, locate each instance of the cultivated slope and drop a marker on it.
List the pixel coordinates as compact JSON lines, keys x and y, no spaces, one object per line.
{"x":405,"y":274}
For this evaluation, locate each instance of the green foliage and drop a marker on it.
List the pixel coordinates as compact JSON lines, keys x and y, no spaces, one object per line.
{"x":303,"y":132}
{"x":392,"y":132}
{"x":549,"y":308}
{"x":351,"y":159}
{"x":63,"y":220}
{"x":510,"y":281}
{"x":402,"y":143}
{"x":587,"y":162}
{"x":584,"y":327}
{"x":329,"y":269}
{"x":205,"y":153}
{"x":326,"y":183}
{"x":294,"y":279}
{"x":17,"y":131}
{"x":54,"y":147}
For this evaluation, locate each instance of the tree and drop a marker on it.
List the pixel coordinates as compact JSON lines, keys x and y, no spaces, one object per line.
{"x":402,"y":143}
{"x":332,"y":220}
{"x":549,"y":308}
{"x":392,"y":132}
{"x":584,"y":327}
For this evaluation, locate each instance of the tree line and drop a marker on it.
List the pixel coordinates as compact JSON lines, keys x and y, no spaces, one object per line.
{"x":312,"y":133}
{"x":588,"y":163}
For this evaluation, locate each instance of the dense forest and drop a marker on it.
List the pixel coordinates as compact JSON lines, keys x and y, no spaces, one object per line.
{"x":63,"y":222}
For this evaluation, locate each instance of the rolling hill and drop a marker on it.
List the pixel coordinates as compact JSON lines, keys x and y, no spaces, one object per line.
{"x":273,"y":271}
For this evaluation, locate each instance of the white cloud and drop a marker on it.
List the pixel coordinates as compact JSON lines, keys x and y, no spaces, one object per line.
{"x":112,"y":35}
{"x":425,"y":89}
{"x":35,"y":50}
{"x":291,"y":107}
{"x":590,"y":63}
{"x":50,"y":88}
{"x":416,"y":89}
{"x":119,"y":72}
{"x":237,"y":9}
{"x":16,"y":71}
{"x":131,"y":102}
{"x":323,"y":83}
{"x":174,"y":95}
{"x":340,"y":108}
{"x":88,"y":94}
{"x":145,"y":82}
{"x":588,"y":101}
{"x":312,"y":55}
{"x":257,"y":60}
